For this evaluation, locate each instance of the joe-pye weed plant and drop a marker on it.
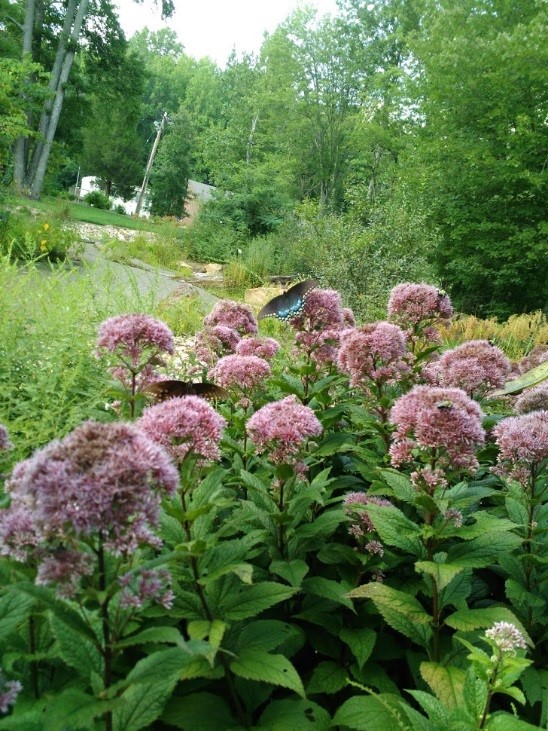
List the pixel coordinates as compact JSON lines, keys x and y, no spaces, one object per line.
{"x":344,"y":541}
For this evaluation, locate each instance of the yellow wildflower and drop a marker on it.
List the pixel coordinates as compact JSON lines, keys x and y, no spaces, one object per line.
{"x":43,"y":245}
{"x":46,"y":226}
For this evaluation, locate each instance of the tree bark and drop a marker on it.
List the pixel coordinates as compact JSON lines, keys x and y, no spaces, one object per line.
{"x":52,"y":87}
{"x":20,"y":147}
{"x":65,"y":55}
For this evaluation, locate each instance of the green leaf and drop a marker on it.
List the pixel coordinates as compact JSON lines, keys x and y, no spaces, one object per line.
{"x":395,"y":529}
{"x":76,"y":651}
{"x":152,"y":682}
{"x":266,"y":668}
{"x":486,"y":523}
{"x":371,"y":713}
{"x":163,"y":665}
{"x":252,"y":482}
{"x":434,"y":708}
{"x":442,"y":573}
{"x":62,"y":610}
{"x":446,"y":682}
{"x":401,"y":485}
{"x":292,"y":713}
{"x":530,"y":378}
{"x":266,"y":634}
{"x":334,"y":443}
{"x":15,"y":609}
{"x":142,"y":704}
{"x":483,"y":550}
{"x":501,"y":721}
{"x":457,"y":591}
{"x":157,"y":635}
{"x":328,"y":677}
{"x":75,"y":710}
{"x":172,"y":530}
{"x":467,"y":620}
{"x":292,"y":571}
{"x":401,"y":611}
{"x":203,"y":711}
{"x":361,"y":642}
{"x":535,"y":685}
{"x":328,"y":589}
{"x":475,"y":693}
{"x":250,"y":601}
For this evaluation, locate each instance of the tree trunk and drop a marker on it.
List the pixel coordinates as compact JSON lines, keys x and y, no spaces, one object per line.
{"x":52,"y":87}
{"x":60,"y":74}
{"x":20,"y":147}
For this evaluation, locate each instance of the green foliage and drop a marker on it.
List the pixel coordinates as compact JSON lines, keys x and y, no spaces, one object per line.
{"x":169,"y":177}
{"x":17,"y":101}
{"x":97,"y":199}
{"x":29,"y":238}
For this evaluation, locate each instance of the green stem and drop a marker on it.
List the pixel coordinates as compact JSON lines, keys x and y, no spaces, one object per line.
{"x":107,"y":645}
{"x":33,"y":663}
{"x":242,"y":718}
{"x":490,"y":694}
{"x":281,"y":527}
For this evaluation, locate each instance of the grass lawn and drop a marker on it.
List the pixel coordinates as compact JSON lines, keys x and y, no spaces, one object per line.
{"x":85,"y":213}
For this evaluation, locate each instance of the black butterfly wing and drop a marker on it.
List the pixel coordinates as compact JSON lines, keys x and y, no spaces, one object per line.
{"x":163,"y":390}
{"x":290,"y":303}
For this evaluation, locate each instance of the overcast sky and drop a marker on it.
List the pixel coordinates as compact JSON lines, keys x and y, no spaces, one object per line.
{"x":214,"y":27}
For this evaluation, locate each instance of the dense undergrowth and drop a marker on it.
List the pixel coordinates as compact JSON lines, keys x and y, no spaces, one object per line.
{"x":345,"y":541}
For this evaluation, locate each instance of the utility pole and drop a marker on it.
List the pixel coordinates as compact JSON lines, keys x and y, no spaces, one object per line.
{"x":149,"y":165}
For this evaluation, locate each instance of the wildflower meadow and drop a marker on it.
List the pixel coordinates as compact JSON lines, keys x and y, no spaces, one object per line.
{"x":349,"y":534}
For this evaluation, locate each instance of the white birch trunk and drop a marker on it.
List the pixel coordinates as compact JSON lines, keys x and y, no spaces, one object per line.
{"x":38,"y":171}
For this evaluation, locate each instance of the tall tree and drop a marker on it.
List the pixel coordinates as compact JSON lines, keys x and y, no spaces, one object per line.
{"x":480,"y":158}
{"x":169,"y":177}
{"x":112,"y":149}
{"x":57,"y":27}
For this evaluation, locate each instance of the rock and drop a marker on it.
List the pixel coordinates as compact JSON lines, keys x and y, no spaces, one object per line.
{"x":185,"y":269}
{"x":213,"y":268}
{"x":261,"y":295}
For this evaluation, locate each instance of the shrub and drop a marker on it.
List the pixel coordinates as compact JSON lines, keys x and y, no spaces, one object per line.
{"x":24,"y":237}
{"x":97,"y":199}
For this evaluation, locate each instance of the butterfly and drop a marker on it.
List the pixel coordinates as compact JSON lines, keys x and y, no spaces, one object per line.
{"x":163,"y":390}
{"x":289,"y":303}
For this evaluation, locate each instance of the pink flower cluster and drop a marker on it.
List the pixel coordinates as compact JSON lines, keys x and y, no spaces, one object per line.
{"x":135,"y":341}
{"x":215,"y":342}
{"x":443,"y":423}
{"x":374,"y":353}
{"x":322,"y":310}
{"x":234,"y":315}
{"x":282,"y":427}
{"x":101,"y":481}
{"x":129,"y":336}
{"x":506,"y":637}
{"x":533,"y":399}
{"x":538,"y":355}
{"x":146,"y":585}
{"x":240,"y":372}
{"x":415,"y":307}
{"x":183,"y":426}
{"x":321,"y":325}
{"x":523,"y":444}
{"x":261,"y":347}
{"x":475,"y":366}
{"x":5,"y":443}
{"x":9,"y":690}
{"x":355,"y":506}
